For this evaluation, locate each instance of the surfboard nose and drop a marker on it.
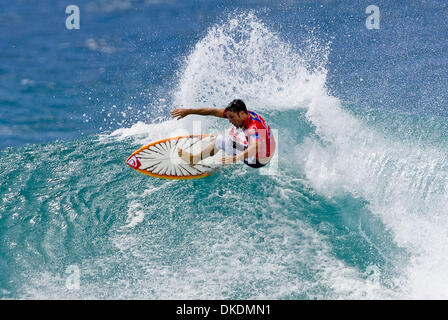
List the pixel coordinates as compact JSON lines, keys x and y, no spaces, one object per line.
{"x":133,"y":162}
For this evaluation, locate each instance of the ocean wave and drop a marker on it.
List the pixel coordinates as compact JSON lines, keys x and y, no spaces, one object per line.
{"x":353,"y":212}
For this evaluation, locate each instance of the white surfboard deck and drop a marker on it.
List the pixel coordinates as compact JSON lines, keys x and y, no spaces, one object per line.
{"x":160,"y":159}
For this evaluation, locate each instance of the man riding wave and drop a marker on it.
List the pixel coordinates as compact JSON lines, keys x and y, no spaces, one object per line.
{"x":249,"y":140}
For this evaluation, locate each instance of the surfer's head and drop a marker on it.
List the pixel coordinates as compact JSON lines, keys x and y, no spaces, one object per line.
{"x":236,"y":112}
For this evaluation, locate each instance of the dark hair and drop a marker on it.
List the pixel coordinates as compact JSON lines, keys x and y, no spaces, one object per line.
{"x":236,"y":105}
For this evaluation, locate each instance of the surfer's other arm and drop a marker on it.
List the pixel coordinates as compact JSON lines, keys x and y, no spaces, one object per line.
{"x":179,"y":113}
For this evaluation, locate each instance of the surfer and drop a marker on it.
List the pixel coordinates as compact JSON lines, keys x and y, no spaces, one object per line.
{"x":249,"y":140}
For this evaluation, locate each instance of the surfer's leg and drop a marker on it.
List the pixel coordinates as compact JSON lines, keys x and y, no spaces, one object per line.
{"x":226,"y":144}
{"x":191,"y":158}
{"x":209,"y":150}
{"x":188,"y":157}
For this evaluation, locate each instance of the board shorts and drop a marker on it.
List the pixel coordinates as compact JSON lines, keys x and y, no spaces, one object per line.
{"x":227,"y":144}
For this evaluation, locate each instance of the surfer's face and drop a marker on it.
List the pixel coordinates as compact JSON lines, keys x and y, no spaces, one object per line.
{"x":236,"y":118}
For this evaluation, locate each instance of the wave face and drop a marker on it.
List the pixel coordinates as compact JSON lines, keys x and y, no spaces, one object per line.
{"x":354,"y":210}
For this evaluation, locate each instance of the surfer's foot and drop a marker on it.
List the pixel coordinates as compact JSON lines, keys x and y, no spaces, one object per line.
{"x":188,"y":157}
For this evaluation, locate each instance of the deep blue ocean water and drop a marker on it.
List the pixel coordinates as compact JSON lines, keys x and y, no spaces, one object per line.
{"x":354,"y":208}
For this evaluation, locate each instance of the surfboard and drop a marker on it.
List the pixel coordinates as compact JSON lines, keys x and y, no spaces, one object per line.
{"x":160,"y":159}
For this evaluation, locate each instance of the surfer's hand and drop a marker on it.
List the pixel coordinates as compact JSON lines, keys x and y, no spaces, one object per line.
{"x":179,"y":113}
{"x":228,"y":160}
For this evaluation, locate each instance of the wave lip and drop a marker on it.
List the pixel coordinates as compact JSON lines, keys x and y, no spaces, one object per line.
{"x":243,"y":58}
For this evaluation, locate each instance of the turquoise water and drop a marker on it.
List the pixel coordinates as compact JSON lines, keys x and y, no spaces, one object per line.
{"x":353,"y":208}
{"x":202,"y":235}
{"x":239,"y":234}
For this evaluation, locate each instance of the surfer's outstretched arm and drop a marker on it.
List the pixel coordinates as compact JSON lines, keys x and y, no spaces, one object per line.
{"x":179,"y":113}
